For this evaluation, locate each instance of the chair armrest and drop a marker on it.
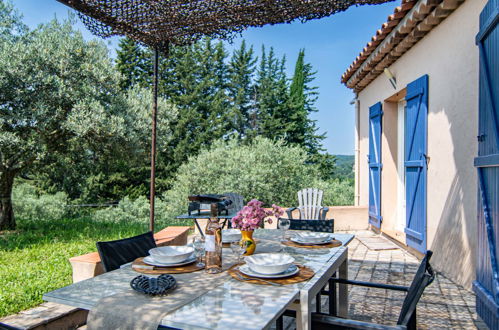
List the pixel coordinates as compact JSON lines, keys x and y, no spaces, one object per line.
{"x":290,"y":212}
{"x":323,"y":321}
{"x":371,"y":284}
{"x":323,"y":213}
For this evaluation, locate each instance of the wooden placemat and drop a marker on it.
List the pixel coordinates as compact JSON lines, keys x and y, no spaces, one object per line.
{"x":304,"y":274}
{"x":140,"y":266}
{"x":334,"y":243}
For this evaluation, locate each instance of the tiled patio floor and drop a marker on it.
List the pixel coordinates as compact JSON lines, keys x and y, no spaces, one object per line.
{"x":445,"y":305}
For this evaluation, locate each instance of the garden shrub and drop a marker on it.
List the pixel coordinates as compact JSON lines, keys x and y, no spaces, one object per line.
{"x":266,"y":170}
{"x":128,"y":210}
{"x":29,"y":204}
{"x":337,"y":192}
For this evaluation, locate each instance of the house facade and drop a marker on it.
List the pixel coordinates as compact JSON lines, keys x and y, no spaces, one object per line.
{"x":426,"y":87}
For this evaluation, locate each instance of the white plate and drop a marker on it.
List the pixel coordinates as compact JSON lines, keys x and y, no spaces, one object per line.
{"x":299,"y":241}
{"x":150,"y":261}
{"x":292,"y":270}
{"x":315,"y":237}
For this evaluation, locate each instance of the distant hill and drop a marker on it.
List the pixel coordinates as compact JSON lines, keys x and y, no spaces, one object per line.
{"x":344,"y":166}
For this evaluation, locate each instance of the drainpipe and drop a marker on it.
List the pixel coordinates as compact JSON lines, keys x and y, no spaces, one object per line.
{"x":357,"y":151}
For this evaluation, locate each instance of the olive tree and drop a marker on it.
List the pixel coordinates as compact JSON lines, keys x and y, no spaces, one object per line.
{"x":59,"y":95}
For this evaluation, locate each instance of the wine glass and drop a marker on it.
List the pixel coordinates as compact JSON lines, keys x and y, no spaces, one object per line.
{"x":284,"y":224}
{"x":237,"y":249}
{"x":198,"y":243}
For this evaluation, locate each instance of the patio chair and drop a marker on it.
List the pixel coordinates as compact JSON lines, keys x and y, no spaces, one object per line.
{"x":236,"y":206}
{"x":113,"y":254}
{"x":309,"y":205}
{"x":325,"y":226}
{"x":407,"y":317}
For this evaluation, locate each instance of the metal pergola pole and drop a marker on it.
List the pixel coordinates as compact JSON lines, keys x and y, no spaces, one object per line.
{"x":153,"y":138}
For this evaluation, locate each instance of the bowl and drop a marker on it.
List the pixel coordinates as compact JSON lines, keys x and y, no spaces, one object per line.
{"x":171,"y":254}
{"x":269,"y":263}
{"x":231,"y":235}
{"x":313,"y":237}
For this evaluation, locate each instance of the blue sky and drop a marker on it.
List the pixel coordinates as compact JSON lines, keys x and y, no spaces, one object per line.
{"x":331,"y":44}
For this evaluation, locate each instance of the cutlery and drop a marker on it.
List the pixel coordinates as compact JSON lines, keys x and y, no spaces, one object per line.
{"x":242,"y":278}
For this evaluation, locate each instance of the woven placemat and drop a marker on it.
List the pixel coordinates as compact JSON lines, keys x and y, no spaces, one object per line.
{"x":304,"y":274}
{"x":334,"y":243}
{"x":139,"y":266}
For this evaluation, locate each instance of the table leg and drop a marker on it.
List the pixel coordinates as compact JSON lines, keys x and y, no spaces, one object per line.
{"x":302,"y":318}
{"x":343,"y":290}
{"x":199,"y":228}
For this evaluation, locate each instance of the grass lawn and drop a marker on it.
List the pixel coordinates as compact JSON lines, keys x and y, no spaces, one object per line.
{"x":34,"y":258}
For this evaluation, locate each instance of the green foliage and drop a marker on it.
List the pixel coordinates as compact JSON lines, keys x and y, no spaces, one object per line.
{"x":241,"y":90}
{"x":41,"y":250}
{"x":337,"y":192}
{"x":127,"y":211}
{"x":29,"y":204}
{"x":11,"y":25}
{"x":219,"y":97}
{"x":132,"y":63}
{"x":344,"y":166}
{"x":269,"y":171}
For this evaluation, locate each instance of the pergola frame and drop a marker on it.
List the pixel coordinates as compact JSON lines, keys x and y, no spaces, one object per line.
{"x":162,"y":23}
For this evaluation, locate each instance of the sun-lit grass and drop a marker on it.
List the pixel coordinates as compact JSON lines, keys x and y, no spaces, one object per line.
{"x":34,"y":258}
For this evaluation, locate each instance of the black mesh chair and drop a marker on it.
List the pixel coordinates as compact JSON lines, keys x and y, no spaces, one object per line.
{"x":113,"y":254}
{"x":407,"y":317}
{"x":326,"y":226}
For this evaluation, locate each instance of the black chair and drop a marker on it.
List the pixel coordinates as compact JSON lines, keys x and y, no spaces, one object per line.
{"x":113,"y":254}
{"x":407,"y":317}
{"x":326,"y":226}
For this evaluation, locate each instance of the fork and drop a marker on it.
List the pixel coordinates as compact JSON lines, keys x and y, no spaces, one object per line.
{"x":242,"y":278}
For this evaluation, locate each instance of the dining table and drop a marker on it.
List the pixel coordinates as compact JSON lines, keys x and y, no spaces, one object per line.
{"x":207,"y":301}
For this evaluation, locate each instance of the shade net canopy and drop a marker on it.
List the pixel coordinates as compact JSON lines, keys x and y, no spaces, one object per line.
{"x":157,"y":23}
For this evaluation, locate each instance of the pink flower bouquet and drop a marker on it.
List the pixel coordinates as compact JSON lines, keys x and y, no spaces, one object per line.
{"x":251,"y":216}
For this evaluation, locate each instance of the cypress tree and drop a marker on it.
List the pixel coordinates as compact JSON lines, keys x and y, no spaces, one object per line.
{"x":302,"y":130}
{"x":134,"y":64}
{"x":241,"y":90}
{"x":271,"y":96}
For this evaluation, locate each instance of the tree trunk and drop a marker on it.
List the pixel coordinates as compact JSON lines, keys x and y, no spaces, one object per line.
{"x":6,"y":212}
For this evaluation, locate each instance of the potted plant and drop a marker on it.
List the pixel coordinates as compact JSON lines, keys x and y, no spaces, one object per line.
{"x":251,"y":217}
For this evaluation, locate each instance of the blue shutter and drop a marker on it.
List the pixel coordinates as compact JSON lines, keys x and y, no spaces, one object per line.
{"x":486,"y":285}
{"x":416,"y":115}
{"x":375,"y":164}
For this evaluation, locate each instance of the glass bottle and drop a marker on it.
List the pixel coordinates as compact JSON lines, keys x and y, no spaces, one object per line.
{"x":213,"y":243}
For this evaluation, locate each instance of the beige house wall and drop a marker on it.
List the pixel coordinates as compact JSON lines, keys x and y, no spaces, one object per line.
{"x":449,"y":56}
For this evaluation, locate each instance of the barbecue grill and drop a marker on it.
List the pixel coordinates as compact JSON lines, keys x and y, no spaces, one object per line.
{"x":204,"y":202}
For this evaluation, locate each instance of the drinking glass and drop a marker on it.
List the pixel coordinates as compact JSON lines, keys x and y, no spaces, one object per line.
{"x":284,"y":224}
{"x":238,"y":250}
{"x":198,"y":243}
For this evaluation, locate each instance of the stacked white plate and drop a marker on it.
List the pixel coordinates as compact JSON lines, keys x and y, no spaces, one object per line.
{"x":312,"y":238}
{"x":231,"y":235}
{"x":170,"y":256}
{"x":269,"y":265}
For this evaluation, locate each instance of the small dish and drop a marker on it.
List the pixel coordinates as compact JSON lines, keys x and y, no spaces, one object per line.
{"x":313,"y":237}
{"x":290,"y":271}
{"x":151,"y":261}
{"x":231,"y":235}
{"x":154,"y":286}
{"x":269,"y":263}
{"x":171,"y":254}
